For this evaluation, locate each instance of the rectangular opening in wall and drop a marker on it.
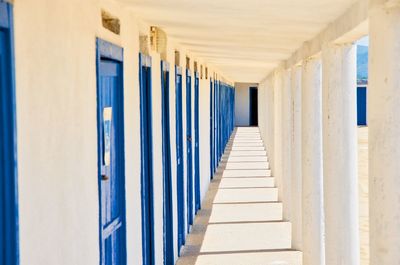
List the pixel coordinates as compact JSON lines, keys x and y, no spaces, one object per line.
{"x":201,"y":71}
{"x":177,"y":58}
{"x":195,"y":67}
{"x":187,"y":62}
{"x":110,"y":22}
{"x":144,"y":44}
{"x":206,"y":72}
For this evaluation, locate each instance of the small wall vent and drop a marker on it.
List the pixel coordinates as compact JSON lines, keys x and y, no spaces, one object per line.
{"x":158,"y":42}
{"x":110,"y":22}
{"x":177,"y":58}
{"x":206,"y":72}
{"x":187,"y":63}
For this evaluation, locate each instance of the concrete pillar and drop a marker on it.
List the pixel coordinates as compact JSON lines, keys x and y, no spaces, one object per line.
{"x":287,"y":128}
{"x":295,"y":143}
{"x":278,"y":133}
{"x":384,"y":135}
{"x":311,"y":142}
{"x":339,"y":112}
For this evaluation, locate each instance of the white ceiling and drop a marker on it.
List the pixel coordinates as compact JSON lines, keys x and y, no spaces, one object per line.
{"x":245,"y":39}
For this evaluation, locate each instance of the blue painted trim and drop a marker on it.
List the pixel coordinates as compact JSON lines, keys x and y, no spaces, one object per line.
{"x":211,"y":132}
{"x":9,"y":240}
{"x":146,"y":133}
{"x":167,"y":180}
{"x":196,"y":145}
{"x":189,"y":150}
{"x":108,"y":51}
{"x":179,"y":158}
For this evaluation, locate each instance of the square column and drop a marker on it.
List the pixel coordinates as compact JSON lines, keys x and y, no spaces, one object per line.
{"x":384,"y":135}
{"x":339,"y":109}
{"x":311,"y":143}
{"x":278,"y":132}
{"x":295,"y":143}
{"x":287,"y":129}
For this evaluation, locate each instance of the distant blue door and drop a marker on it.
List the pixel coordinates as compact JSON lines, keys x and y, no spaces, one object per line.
{"x":179,"y":159}
{"x":110,"y":113}
{"x":189,"y":149}
{"x":8,"y":146}
{"x":167,"y":179}
{"x":361,"y":106}
{"x":211,"y":131}
{"x":146,"y":135}
{"x":196,"y":144}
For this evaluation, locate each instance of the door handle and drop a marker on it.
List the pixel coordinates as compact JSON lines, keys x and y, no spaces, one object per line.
{"x":189,"y":138}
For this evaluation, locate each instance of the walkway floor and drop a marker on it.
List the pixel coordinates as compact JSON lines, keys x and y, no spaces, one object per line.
{"x":241,"y":219}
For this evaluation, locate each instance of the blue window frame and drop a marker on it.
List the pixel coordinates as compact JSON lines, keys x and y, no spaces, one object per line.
{"x":167,"y":179}
{"x":8,"y":142}
{"x":146,"y":134}
{"x":179,"y":158}
{"x":111,"y":154}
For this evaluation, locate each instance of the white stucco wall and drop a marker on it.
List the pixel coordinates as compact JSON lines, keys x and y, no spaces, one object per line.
{"x":242,"y":103}
{"x":55,"y":53}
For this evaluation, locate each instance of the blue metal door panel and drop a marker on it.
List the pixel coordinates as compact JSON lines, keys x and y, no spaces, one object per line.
{"x":179,"y":159}
{"x":146,"y":134}
{"x":8,"y":147}
{"x":111,"y":155}
{"x":361,"y":106}
{"x":211,"y":132}
{"x":196,"y":144}
{"x":189,"y":149}
{"x":167,"y":181}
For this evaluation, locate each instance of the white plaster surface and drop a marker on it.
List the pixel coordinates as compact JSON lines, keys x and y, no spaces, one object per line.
{"x":339,"y":112}
{"x":257,"y":34}
{"x":246,"y":195}
{"x":248,"y":148}
{"x":241,"y":237}
{"x":247,"y":173}
{"x":256,"y":258}
{"x":246,"y":212}
{"x":247,"y":182}
{"x":247,"y":165}
{"x":248,"y":159}
{"x":248,"y":153}
{"x":311,"y":142}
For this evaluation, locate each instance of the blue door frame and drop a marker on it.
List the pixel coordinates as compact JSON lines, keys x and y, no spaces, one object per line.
{"x":111,"y":164}
{"x":179,"y":158}
{"x":146,"y":135}
{"x":9,"y":251}
{"x":211,"y":132}
{"x":167,"y":179}
{"x":196,"y":144}
{"x":189,"y":149}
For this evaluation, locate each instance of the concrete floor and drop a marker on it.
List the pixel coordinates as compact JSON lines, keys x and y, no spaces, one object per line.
{"x":241,"y":219}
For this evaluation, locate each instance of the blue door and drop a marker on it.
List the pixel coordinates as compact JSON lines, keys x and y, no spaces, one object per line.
{"x":146,"y":134}
{"x":179,"y":159}
{"x":167,"y":181}
{"x":211,"y":132}
{"x":8,"y":147}
{"x":189,"y":149}
{"x":196,"y":143}
{"x":110,"y":126}
{"x":361,"y":106}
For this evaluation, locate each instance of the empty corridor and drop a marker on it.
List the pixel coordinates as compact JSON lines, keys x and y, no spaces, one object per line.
{"x":241,"y":218}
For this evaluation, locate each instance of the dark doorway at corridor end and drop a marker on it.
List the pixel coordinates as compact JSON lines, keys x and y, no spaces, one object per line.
{"x":253,"y":104}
